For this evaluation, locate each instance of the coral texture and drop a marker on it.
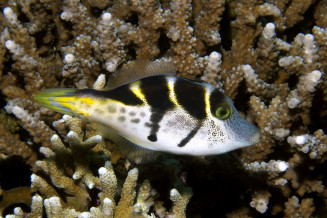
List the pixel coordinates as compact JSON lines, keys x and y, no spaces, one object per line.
{"x":269,"y":57}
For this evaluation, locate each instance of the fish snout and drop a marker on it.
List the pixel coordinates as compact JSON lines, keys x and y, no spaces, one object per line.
{"x":243,"y":132}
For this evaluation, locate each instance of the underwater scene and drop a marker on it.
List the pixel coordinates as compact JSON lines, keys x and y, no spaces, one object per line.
{"x":163,"y":109}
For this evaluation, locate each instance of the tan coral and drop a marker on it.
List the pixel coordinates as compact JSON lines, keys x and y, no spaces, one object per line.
{"x":207,"y":20}
{"x":314,"y":145}
{"x":18,"y":195}
{"x":180,"y":201}
{"x":34,"y":69}
{"x":76,"y":13}
{"x":273,"y":121}
{"x":320,"y":35}
{"x":291,"y":13}
{"x":147,"y":34}
{"x":125,"y":205}
{"x":11,"y":145}
{"x":183,"y":42}
{"x":109,"y":43}
{"x":267,"y":53}
{"x":37,"y":128}
{"x":294,"y":208}
{"x":78,"y":154}
{"x":108,"y":182}
{"x":246,"y":30}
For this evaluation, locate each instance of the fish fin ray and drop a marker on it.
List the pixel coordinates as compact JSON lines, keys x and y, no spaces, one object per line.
{"x":139,"y":69}
{"x":128,"y":149}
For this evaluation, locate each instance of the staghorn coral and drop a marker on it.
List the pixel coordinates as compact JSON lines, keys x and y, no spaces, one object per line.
{"x":56,"y":207}
{"x":208,"y":16}
{"x":183,"y":43}
{"x":78,"y":156}
{"x":268,"y":56}
{"x":31,"y":122}
{"x":107,"y":40}
{"x":14,"y":196}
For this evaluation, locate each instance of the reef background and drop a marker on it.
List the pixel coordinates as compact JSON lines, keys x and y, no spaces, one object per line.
{"x":269,"y":56}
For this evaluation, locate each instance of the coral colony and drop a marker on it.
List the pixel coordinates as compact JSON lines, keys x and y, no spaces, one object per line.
{"x":269,"y":57}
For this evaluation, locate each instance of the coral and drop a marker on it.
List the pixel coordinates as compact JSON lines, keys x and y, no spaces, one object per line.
{"x":304,"y":209}
{"x":208,"y":17}
{"x":37,"y":128}
{"x":108,"y":43}
{"x":269,"y":57}
{"x":260,"y":202}
{"x":78,"y":154}
{"x":11,"y":145}
{"x":180,"y":201}
{"x":146,"y":34}
{"x":28,"y":62}
{"x":315,"y":145}
{"x":273,"y":167}
{"x":126,"y":207}
{"x":183,"y":51}
{"x":290,"y":13}
{"x":17,"y":195}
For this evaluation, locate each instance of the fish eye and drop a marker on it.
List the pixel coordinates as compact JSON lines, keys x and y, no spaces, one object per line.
{"x":223,"y":112}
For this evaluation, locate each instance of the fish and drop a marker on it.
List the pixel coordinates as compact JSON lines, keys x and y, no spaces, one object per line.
{"x":146,"y":109}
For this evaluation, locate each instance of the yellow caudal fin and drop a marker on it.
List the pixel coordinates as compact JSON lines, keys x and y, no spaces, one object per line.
{"x":59,"y":100}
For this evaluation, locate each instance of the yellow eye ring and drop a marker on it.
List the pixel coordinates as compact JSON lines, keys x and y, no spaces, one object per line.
{"x":223,"y":112}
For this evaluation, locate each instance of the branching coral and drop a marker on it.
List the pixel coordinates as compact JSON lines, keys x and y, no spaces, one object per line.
{"x":107,"y":40}
{"x":28,"y":62}
{"x":208,"y":16}
{"x":127,"y":206}
{"x":269,"y":57}
{"x":37,"y":128}
{"x":183,"y":42}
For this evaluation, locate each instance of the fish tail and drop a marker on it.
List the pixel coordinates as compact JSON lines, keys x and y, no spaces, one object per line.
{"x":59,"y":100}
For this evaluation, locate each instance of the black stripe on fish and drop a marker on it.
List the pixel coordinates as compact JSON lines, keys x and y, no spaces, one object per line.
{"x":185,"y":140}
{"x":155,"y":118}
{"x":122,"y":94}
{"x":216,"y":99}
{"x":156,"y":92}
{"x":191,"y":96}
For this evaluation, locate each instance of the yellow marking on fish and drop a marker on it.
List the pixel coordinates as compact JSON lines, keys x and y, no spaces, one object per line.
{"x":172,"y":95}
{"x":86,"y":100}
{"x":135,"y":88}
{"x":207,"y":102}
{"x":75,"y":103}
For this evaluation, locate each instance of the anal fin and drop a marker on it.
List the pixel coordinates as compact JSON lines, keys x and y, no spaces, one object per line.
{"x":128,"y":149}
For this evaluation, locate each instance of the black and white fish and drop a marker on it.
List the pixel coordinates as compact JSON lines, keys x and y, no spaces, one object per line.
{"x":157,"y":111}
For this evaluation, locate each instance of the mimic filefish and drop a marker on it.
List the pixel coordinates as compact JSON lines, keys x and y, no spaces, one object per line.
{"x":154,"y":110}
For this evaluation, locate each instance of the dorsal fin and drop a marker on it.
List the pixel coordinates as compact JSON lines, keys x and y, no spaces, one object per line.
{"x":128,"y":149}
{"x":139,"y":69}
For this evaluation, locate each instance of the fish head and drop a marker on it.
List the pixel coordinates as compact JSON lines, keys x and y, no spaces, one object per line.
{"x":226,"y":128}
